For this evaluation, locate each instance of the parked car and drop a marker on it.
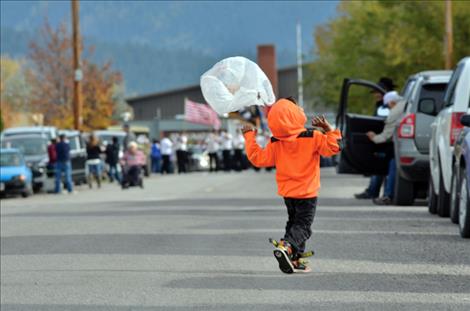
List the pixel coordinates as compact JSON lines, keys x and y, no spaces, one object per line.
{"x":359,"y":155}
{"x":33,"y":147}
{"x":411,"y":140}
{"x":460,"y":203}
{"x":15,"y":176}
{"x":445,"y":131}
{"x":49,"y":132}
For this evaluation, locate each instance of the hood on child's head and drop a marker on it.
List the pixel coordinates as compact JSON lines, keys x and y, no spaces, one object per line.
{"x":286,"y":120}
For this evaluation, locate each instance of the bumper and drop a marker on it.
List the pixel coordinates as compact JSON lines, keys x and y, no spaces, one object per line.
{"x":13,"y":187}
{"x":412,"y":164}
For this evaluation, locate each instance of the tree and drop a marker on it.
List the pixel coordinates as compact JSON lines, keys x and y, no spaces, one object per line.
{"x":371,"y":39}
{"x":14,"y":92}
{"x":52,"y":82}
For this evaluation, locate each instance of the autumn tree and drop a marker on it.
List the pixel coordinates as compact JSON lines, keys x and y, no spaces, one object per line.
{"x":371,"y":39}
{"x":52,"y":82}
{"x":14,"y":92}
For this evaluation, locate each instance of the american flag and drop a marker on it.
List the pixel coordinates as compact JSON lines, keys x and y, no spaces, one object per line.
{"x":201,"y":114}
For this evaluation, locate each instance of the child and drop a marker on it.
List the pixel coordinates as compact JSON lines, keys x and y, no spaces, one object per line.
{"x":295,"y":152}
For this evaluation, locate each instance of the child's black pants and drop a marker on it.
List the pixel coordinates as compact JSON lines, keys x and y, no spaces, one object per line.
{"x":298,"y":226}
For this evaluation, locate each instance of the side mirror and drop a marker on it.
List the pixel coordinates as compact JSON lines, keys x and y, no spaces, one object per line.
{"x":428,"y":106}
{"x":465,"y":120}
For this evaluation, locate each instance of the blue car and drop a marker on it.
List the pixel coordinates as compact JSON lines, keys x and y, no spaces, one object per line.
{"x":15,"y":175}
{"x":460,"y":185}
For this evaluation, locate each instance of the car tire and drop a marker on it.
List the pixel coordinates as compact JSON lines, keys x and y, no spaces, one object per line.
{"x":464,"y":210}
{"x":28,"y":191}
{"x":432,"y":198}
{"x":455,"y":195}
{"x":443,"y":199}
{"x":404,"y":191}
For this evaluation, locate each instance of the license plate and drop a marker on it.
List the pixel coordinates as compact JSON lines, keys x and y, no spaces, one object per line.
{"x":2,"y":187}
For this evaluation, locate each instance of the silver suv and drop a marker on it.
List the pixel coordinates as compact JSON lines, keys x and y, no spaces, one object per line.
{"x":424,"y":95}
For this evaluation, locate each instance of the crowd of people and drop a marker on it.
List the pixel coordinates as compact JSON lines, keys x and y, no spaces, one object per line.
{"x":125,"y":163}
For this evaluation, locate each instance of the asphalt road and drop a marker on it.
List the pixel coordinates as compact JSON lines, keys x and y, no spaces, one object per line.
{"x":200,"y":242}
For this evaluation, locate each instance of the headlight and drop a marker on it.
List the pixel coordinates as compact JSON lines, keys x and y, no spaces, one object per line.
{"x":19,"y":177}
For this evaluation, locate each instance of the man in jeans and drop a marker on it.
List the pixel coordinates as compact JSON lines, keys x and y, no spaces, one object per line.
{"x":63,"y":165}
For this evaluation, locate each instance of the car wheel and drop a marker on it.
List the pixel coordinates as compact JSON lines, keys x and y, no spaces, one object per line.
{"x":432,"y":198}
{"x":404,"y":191}
{"x":454,"y":196}
{"x":464,"y":210}
{"x":443,"y":199}
{"x":28,"y":191}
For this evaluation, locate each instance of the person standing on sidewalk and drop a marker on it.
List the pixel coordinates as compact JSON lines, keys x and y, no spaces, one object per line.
{"x":63,"y":165}
{"x":182,"y":153}
{"x":213,"y":147}
{"x":227,"y":146}
{"x":238,"y":146}
{"x":112,"y":159}
{"x":52,"y":155}
{"x":93,"y":152}
{"x":156,"y":156}
{"x":166,"y":150}
{"x":130,"y":137}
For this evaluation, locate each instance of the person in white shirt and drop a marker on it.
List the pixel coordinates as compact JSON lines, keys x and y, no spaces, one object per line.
{"x":166,"y":146}
{"x":226,"y":139}
{"x":213,"y":147}
{"x":238,"y":146}
{"x":182,"y":153}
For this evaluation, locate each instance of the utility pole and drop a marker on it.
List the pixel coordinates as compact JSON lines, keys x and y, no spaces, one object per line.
{"x":300,"y":83}
{"x":78,"y":75}
{"x":449,"y":40}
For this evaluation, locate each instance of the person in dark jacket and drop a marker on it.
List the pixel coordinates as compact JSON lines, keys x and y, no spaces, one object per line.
{"x":381,"y":110}
{"x":93,"y":152}
{"x":112,"y":159}
{"x":156,"y":155}
{"x":63,"y":165}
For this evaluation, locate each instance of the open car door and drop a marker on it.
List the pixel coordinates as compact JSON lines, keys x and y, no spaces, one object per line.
{"x":360,"y":155}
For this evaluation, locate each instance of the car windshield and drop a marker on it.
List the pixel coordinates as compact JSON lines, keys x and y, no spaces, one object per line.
{"x":10,"y":159}
{"x":108,"y":139}
{"x":27,"y":145}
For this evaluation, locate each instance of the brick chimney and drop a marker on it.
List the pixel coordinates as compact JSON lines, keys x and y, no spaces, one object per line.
{"x":267,"y":62}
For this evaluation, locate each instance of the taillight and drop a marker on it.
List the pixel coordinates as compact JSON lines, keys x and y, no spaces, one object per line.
{"x":406,"y":160}
{"x":455,"y":126}
{"x":406,"y":129}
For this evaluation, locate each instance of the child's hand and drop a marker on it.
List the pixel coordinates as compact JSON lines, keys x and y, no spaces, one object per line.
{"x":247,"y":128}
{"x":322,"y":123}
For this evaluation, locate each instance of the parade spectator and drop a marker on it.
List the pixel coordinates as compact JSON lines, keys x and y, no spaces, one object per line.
{"x":166,"y":148}
{"x":132,"y":163}
{"x":182,"y":153}
{"x":381,"y":110}
{"x":238,"y":146}
{"x":156,"y":156}
{"x":396,"y":105}
{"x":227,"y":146}
{"x":213,"y":147}
{"x":52,"y":155}
{"x":130,"y":137}
{"x":63,"y":165}
{"x":112,"y":159}
{"x":93,"y":152}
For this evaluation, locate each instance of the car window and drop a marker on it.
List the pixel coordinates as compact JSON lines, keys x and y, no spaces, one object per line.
{"x":73,"y":142}
{"x":450,"y":92}
{"x":435,"y":91}
{"x":10,"y":159}
{"x":406,"y":91}
{"x":28,"y":146}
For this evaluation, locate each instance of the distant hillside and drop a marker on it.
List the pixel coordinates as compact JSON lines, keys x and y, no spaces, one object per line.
{"x":159,"y":45}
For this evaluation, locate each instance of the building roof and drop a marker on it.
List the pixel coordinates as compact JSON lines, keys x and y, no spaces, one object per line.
{"x":187,"y":88}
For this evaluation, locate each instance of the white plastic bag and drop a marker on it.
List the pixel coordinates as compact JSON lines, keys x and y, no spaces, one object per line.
{"x":235,"y":83}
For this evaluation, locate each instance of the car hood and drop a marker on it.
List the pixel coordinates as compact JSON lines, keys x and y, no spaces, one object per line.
{"x":35,"y":159}
{"x":8,"y":172}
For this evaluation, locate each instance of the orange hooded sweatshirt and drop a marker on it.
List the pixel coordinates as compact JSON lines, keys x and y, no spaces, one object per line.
{"x":293,"y":150}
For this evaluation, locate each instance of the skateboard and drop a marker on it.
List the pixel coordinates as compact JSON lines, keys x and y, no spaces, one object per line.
{"x":285,"y":263}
